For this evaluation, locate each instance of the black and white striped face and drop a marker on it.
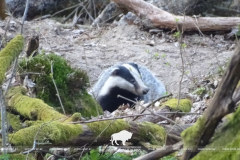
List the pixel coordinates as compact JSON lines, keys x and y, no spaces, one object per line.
{"x":126,"y":77}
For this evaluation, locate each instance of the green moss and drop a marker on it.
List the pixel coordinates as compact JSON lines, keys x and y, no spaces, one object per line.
{"x":116,"y":126}
{"x":152,"y":133}
{"x":32,"y":108}
{"x":227,"y":139}
{"x":54,"y":132}
{"x":9,"y":53}
{"x":75,"y":117}
{"x":14,"y":121}
{"x":185,"y":105}
{"x":191,"y":135}
{"x":89,"y":106}
{"x":69,"y":81}
{"x":238,"y":85}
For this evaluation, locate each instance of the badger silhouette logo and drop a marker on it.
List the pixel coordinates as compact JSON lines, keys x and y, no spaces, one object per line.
{"x":121,"y":136}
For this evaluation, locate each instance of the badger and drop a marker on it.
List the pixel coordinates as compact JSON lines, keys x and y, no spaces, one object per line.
{"x":129,"y":80}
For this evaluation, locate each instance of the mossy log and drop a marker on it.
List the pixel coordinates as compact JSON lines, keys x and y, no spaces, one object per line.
{"x":52,"y":126}
{"x":9,"y":53}
{"x":154,"y":17}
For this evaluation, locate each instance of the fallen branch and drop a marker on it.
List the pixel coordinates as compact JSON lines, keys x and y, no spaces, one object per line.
{"x":154,"y":17}
{"x":159,"y":153}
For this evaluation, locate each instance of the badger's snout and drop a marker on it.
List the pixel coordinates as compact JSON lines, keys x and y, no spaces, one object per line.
{"x":145,"y":91}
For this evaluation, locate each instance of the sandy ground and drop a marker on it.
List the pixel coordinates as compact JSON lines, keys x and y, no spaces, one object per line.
{"x":94,"y":50}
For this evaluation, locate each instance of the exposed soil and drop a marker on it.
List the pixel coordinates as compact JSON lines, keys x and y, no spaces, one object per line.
{"x":94,"y":50}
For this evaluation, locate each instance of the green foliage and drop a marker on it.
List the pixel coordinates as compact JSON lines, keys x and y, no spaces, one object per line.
{"x":169,"y":158}
{"x":177,"y":34}
{"x":95,"y":155}
{"x":156,"y":55}
{"x":70,"y":82}
{"x":184,"y":45}
{"x":15,"y":157}
{"x":200,"y":91}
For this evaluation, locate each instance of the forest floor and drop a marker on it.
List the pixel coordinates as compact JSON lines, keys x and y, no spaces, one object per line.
{"x":94,"y":50}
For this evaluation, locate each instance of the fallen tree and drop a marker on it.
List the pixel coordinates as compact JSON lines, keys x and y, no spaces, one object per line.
{"x":49,"y":125}
{"x":153,"y":17}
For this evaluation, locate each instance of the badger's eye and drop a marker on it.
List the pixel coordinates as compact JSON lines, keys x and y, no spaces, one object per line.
{"x":132,"y":81}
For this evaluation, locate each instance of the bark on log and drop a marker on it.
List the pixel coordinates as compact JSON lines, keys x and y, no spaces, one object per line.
{"x":3,"y":9}
{"x":154,"y":17}
{"x":222,"y":104}
{"x":159,"y":153}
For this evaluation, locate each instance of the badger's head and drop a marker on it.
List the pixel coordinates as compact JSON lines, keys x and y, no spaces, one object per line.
{"x":126,"y":77}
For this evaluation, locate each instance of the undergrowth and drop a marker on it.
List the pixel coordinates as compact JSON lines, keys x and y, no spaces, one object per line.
{"x":71,"y":83}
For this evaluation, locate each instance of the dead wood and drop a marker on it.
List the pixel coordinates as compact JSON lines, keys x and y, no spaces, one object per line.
{"x":3,"y":9}
{"x":153,"y":17}
{"x":222,"y":104}
{"x":159,"y":153}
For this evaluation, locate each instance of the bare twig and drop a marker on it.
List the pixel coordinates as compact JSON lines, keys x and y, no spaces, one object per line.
{"x":71,"y":7}
{"x":25,"y":14}
{"x":145,"y":114}
{"x":71,"y":14}
{"x":12,"y":75}
{"x":153,"y":103}
{"x":58,"y":95}
{"x":3,"y":121}
{"x":163,"y":117}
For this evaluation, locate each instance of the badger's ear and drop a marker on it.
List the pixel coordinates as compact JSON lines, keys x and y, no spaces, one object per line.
{"x":134,"y":65}
{"x":115,"y":71}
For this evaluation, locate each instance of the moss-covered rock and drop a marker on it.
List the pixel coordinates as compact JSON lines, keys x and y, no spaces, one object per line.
{"x":226,"y":143}
{"x":185,"y":105}
{"x":7,"y":54}
{"x":116,"y":126}
{"x":152,"y":133}
{"x":191,"y":135}
{"x":55,"y":132}
{"x":70,"y":82}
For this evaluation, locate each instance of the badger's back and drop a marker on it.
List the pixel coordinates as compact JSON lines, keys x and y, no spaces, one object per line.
{"x":157,"y":89}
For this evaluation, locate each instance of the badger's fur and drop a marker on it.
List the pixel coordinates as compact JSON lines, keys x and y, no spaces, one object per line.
{"x":129,"y":80}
